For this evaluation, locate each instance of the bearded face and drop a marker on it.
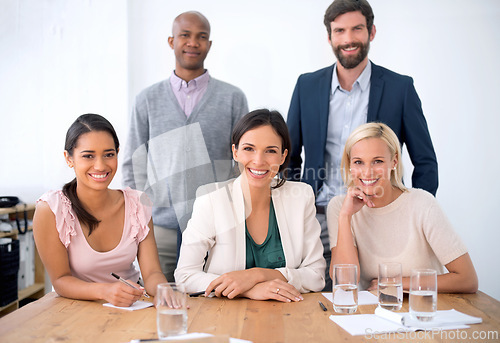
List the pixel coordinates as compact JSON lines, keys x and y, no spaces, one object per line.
{"x":350,"y":39}
{"x":351,"y":55}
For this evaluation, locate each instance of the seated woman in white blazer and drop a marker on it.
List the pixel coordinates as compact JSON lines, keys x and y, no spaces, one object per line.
{"x":255,"y":236}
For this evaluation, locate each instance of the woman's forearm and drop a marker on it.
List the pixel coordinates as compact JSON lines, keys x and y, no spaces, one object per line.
{"x":345,"y":251}
{"x":74,"y":288}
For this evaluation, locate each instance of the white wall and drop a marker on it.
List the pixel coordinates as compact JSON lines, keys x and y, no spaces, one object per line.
{"x":59,"y":59}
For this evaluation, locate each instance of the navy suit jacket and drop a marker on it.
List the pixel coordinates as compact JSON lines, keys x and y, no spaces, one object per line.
{"x":393,"y":100}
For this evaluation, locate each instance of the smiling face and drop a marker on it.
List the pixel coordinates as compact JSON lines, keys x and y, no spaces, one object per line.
{"x":371,"y":165}
{"x":350,"y":39}
{"x":94,"y":159}
{"x":259,"y":155}
{"x":191,"y":43}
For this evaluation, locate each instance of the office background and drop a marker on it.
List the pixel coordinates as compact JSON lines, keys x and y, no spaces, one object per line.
{"x":62,"y":58}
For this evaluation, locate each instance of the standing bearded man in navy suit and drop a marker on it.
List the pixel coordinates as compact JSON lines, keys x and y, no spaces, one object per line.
{"x":330,"y":103}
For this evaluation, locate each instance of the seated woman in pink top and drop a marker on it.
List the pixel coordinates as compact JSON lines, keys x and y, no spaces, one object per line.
{"x":87,"y":231}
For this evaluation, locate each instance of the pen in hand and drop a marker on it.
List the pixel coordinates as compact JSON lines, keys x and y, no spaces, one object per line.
{"x":129,"y":284}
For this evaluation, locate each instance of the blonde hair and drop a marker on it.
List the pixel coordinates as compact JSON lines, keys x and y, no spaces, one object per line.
{"x":373,"y":130}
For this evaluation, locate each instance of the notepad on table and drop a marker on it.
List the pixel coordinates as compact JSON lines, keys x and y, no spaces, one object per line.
{"x":138,"y":305}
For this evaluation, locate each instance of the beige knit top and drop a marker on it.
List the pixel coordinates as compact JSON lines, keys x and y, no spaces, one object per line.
{"x":412,"y":230}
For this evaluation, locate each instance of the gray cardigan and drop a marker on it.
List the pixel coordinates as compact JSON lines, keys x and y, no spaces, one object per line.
{"x":168,"y":155}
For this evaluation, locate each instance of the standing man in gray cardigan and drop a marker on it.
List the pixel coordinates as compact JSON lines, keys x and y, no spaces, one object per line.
{"x":180,"y":135}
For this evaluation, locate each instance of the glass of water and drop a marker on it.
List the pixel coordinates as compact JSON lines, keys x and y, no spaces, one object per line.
{"x":345,"y":288}
{"x":390,"y":286}
{"x":423,"y":294}
{"x":171,"y":309}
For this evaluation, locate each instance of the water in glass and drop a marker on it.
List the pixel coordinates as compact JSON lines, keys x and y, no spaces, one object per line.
{"x":390,"y":296}
{"x":345,"y":298}
{"x":423,"y":305}
{"x":171,"y":322}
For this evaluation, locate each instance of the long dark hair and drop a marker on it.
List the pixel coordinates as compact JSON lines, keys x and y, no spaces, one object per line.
{"x":84,"y":124}
{"x":263,"y":117}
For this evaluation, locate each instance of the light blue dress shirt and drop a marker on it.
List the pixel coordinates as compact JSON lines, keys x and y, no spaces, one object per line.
{"x":348,"y":110}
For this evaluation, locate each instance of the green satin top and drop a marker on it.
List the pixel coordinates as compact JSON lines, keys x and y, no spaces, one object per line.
{"x":270,"y":253}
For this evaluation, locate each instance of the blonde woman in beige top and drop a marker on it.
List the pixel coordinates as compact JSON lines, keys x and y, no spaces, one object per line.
{"x":380,"y":220}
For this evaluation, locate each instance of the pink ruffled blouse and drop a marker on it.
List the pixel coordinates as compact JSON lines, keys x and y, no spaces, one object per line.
{"x":93,"y":266}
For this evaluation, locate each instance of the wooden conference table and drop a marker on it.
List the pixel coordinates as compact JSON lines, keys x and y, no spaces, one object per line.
{"x":57,"y":319}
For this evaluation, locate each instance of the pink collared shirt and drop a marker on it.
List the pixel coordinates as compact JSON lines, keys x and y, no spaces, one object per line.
{"x":188,"y":94}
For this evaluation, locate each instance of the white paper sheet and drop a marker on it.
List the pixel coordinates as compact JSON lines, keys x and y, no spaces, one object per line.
{"x":364,"y":298}
{"x":362,"y":324}
{"x":138,"y":305}
{"x":441,"y":319}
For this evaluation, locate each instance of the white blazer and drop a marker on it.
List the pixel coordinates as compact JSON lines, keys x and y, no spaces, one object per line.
{"x":217,"y":228}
